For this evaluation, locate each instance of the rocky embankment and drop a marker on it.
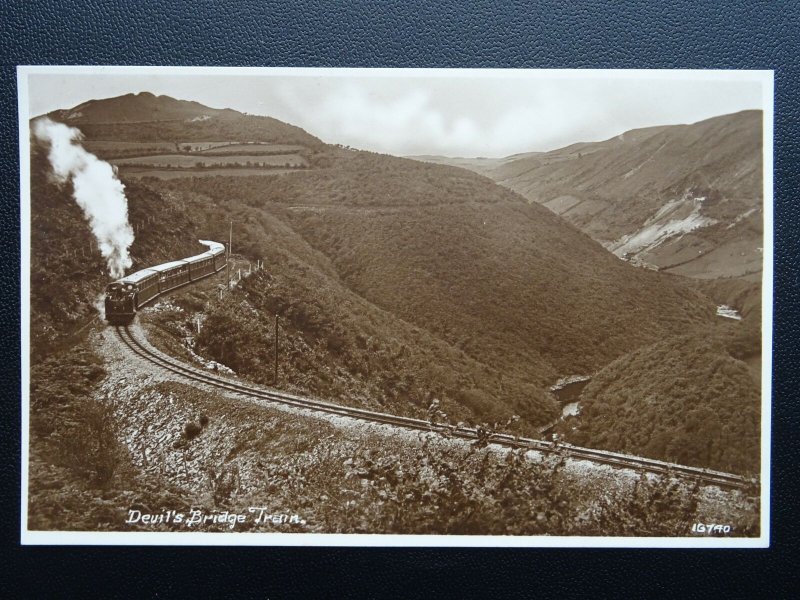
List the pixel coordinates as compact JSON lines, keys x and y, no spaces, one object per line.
{"x":222,"y":452}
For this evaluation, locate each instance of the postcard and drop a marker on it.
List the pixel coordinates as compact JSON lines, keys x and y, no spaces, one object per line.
{"x":395,"y":307}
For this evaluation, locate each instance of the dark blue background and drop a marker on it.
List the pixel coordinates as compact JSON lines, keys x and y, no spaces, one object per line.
{"x":590,"y":34}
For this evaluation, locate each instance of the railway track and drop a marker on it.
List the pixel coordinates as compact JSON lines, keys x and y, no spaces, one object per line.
{"x":185,"y":371}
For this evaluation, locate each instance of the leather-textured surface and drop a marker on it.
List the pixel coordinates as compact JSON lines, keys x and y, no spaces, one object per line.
{"x":445,"y":33}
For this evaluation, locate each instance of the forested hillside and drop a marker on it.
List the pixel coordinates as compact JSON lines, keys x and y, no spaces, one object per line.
{"x":687,"y":399}
{"x":430,"y":261}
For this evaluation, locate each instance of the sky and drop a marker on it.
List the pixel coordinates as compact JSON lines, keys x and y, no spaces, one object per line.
{"x":490,"y":113}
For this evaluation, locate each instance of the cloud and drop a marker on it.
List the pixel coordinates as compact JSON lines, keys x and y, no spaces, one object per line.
{"x":404,"y":124}
{"x":493,"y":119}
{"x":455,"y":113}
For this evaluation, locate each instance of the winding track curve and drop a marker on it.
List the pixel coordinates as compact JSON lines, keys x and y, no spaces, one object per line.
{"x":719,"y":478}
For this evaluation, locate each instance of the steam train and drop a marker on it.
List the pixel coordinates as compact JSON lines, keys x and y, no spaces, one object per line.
{"x":127,"y":295}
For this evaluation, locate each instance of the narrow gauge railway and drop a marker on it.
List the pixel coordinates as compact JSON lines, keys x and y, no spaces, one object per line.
{"x":718,"y":478}
{"x":127,"y":295}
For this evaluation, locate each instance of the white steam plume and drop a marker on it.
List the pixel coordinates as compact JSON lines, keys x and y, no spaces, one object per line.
{"x":96,"y":190}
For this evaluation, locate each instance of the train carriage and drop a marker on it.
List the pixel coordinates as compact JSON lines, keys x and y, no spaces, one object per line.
{"x":208,"y":262}
{"x":217,"y":251}
{"x":146,"y":282}
{"x":201,"y":265}
{"x":172,"y":275}
{"x":220,"y":260}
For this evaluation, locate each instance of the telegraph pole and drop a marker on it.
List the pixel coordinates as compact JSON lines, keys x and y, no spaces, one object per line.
{"x":276,"y":349}
{"x":230,"y":243}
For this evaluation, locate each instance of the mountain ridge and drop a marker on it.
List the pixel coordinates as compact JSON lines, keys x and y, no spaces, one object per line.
{"x":615,"y":190}
{"x":145,"y":117}
{"x":135,"y":108}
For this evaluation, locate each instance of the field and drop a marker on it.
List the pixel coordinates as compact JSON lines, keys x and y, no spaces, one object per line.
{"x":183,"y":161}
{"x":166,"y":174}
{"x":108,"y":149}
{"x":252,"y":148}
{"x":113,"y":149}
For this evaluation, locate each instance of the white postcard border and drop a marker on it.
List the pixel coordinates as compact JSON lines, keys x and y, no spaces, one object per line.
{"x":28,"y":537}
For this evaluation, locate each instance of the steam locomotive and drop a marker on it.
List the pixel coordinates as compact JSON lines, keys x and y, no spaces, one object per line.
{"x":127,"y":295}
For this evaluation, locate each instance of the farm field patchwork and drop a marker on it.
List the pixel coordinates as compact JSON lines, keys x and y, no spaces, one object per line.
{"x":252,"y":147}
{"x":112,"y":149}
{"x":183,"y":161}
{"x":118,"y":149}
{"x":167,"y":174}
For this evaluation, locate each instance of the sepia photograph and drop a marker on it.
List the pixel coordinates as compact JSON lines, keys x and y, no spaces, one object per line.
{"x":395,"y":307}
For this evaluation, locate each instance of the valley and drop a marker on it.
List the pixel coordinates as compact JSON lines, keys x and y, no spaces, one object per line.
{"x":394,"y":285}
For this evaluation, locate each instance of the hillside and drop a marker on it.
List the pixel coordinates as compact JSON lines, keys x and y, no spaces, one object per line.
{"x":335,"y":344}
{"x":687,"y":399}
{"x":683,"y":198}
{"x":135,"y":108}
{"x":147,"y":118}
{"x":473,"y":293}
{"x":113,"y":441}
{"x":481,"y":164}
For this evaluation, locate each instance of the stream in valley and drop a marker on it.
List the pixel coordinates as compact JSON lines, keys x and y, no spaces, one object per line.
{"x":567,"y":394}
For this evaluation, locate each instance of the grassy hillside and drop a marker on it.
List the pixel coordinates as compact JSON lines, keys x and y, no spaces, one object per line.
{"x":148,"y":118}
{"x":723,"y":153}
{"x":136,"y":108}
{"x":629,"y":192}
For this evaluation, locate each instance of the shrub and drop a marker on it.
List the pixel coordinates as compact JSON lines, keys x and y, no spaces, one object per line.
{"x":191,"y":430}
